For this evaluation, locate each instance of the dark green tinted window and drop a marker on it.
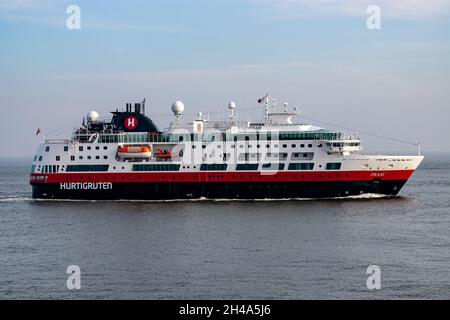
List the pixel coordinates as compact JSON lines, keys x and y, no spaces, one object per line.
{"x":273,"y":166}
{"x":308,"y":135}
{"x":301,"y":166}
{"x":334,"y":166}
{"x":156,"y":167}
{"x":247,"y":166}
{"x":87,"y":167}
{"x":213,"y":167}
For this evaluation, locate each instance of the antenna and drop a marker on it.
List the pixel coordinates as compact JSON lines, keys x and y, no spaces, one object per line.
{"x":266,"y":105}
{"x":143,"y":106}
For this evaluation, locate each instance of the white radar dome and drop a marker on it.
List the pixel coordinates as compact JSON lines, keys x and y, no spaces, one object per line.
{"x":92,"y":116}
{"x":231,"y":105}
{"x":177,"y":107}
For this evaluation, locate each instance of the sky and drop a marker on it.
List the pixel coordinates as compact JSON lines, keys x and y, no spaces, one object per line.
{"x":317,"y":55}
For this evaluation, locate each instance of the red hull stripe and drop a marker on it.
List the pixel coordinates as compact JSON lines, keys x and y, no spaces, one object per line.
{"x":257,"y":176}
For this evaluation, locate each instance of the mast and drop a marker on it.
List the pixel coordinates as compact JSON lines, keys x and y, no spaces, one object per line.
{"x":143,"y":106}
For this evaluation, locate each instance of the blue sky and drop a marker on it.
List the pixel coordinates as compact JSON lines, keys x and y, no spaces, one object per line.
{"x":317,"y":55}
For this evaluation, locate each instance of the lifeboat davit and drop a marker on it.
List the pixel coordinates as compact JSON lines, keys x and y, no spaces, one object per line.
{"x":129,"y":152}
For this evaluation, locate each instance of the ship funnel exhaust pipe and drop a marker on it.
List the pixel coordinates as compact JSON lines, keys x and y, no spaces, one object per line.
{"x":137,"y":107}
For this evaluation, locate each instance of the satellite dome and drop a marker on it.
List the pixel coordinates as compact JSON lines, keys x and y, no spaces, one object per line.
{"x":231,"y":105}
{"x":92,"y":116}
{"x":177,"y":107}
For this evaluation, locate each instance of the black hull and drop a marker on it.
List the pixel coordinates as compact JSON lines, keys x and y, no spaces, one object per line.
{"x":221,"y":190}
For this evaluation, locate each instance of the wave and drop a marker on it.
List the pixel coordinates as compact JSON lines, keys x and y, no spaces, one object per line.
{"x":16,"y":199}
{"x":368,"y":196}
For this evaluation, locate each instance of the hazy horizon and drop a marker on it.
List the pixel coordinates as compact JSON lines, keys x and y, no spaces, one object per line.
{"x":318,"y":56}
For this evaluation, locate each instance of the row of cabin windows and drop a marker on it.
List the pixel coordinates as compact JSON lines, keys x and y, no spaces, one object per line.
{"x":273,"y":166}
{"x":247,"y":166}
{"x":87,"y":167}
{"x":165,"y":137}
{"x":213,"y":167}
{"x":72,"y":158}
{"x":341,"y":144}
{"x":156,"y":167}
{"x":301,"y":166}
{"x":203,"y":167}
{"x":80,"y":148}
{"x":334,"y":166}
{"x":280,"y":156}
{"x":259,"y":146}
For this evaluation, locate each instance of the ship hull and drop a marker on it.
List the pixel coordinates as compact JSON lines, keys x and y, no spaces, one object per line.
{"x":215,"y":190}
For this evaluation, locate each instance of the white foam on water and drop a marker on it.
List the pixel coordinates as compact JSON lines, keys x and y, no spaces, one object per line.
{"x":16,"y":199}
{"x":356,"y":197}
{"x":367,"y":196}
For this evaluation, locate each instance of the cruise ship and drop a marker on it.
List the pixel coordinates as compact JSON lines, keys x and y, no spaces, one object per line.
{"x":128,"y":157}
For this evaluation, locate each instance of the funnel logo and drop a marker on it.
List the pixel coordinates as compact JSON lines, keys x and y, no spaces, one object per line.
{"x":131,"y":123}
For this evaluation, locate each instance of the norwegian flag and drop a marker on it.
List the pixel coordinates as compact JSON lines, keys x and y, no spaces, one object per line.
{"x":38,"y":131}
{"x":263,"y":99}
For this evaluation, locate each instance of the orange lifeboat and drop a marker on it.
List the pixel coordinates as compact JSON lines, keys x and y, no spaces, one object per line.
{"x":131,"y":152}
{"x":164,"y":154}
